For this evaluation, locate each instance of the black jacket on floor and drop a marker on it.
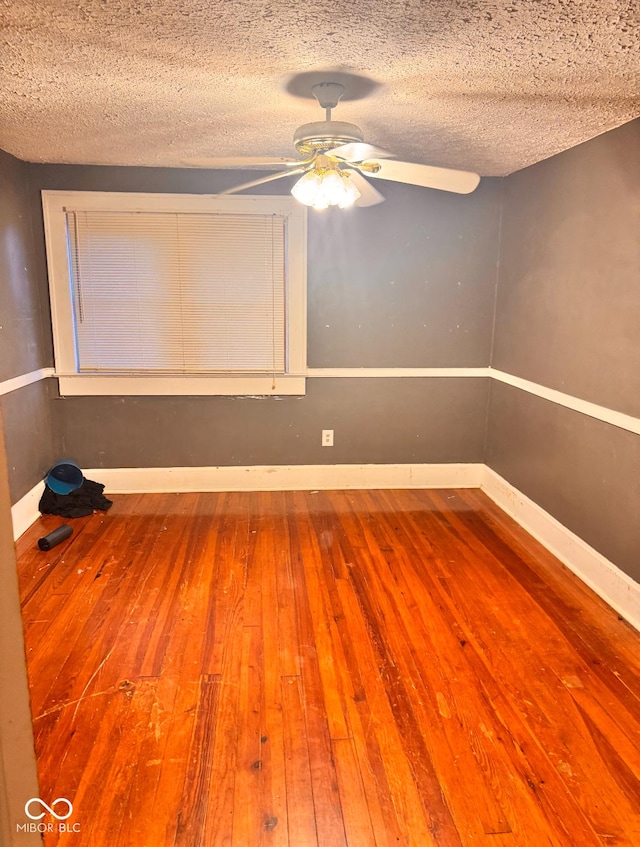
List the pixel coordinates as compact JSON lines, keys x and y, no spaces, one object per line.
{"x":79,"y":503}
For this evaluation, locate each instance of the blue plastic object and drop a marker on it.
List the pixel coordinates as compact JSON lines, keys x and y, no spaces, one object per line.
{"x":64,"y":477}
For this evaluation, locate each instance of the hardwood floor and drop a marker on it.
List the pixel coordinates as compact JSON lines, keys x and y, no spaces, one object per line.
{"x":326,"y":669}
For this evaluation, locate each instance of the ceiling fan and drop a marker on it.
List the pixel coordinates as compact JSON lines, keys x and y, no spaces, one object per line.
{"x":336,"y":160}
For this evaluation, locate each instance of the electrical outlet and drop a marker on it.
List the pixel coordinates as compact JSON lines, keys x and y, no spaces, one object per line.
{"x":327,"y":438}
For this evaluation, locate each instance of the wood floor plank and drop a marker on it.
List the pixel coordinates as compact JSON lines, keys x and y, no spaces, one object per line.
{"x":227,"y":551}
{"x":303,"y":669}
{"x":224,"y":761}
{"x":192,"y":817}
{"x":301,"y":817}
{"x":326,"y":796}
{"x":152,"y":755}
{"x":248,"y":815}
{"x":273,"y":801}
{"x":327,"y":645}
{"x":393,"y":794}
{"x":289,"y":649}
{"x":357,"y":820}
{"x":415,"y":741}
{"x":383,"y":804}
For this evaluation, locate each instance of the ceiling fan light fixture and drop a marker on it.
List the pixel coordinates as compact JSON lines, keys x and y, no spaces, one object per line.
{"x":337,"y":162}
{"x":325,"y":186}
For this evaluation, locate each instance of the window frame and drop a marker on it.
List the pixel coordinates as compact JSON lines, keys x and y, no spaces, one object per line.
{"x":55,"y":205}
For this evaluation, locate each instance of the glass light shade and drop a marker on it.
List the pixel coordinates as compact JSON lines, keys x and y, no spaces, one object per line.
{"x":307,"y":188}
{"x":324,"y":187}
{"x":350,"y":192}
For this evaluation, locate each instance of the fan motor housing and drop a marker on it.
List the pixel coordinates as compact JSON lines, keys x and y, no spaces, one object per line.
{"x":324,"y":135}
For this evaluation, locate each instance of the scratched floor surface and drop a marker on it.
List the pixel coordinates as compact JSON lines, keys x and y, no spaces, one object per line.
{"x":328,"y":669}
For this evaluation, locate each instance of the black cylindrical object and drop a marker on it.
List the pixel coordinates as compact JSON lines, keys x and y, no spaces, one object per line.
{"x":55,"y":537}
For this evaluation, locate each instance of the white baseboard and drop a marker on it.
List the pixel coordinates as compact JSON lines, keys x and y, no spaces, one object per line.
{"x":25,"y":511}
{"x":285,"y":477}
{"x":259,"y":478}
{"x":607,"y":580}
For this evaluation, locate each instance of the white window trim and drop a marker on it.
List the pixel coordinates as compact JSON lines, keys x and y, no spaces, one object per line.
{"x":55,"y":205}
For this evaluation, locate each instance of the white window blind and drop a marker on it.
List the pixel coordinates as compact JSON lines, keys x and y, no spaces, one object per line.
{"x":166,"y":292}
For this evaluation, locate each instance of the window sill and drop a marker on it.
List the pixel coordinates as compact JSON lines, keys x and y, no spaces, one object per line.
{"x":93,"y":385}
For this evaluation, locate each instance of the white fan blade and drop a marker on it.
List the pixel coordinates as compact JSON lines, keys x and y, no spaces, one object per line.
{"x":444,"y":179}
{"x":358,"y":151}
{"x":264,"y":179}
{"x":242,"y":162}
{"x":369,"y":196}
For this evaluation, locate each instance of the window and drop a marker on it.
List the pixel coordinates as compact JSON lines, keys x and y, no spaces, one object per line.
{"x":176,"y":294}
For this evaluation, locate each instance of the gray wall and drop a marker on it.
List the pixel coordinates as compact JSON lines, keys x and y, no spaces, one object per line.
{"x":568,"y":317}
{"x":409,"y":283}
{"x":25,"y":337}
{"x":375,"y":421}
{"x":568,"y":309}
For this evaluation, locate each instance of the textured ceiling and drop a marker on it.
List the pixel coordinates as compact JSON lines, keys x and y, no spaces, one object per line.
{"x":485,"y":86}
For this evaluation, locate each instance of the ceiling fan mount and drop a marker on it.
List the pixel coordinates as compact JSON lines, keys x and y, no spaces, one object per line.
{"x":320,"y":136}
{"x":328,"y":94}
